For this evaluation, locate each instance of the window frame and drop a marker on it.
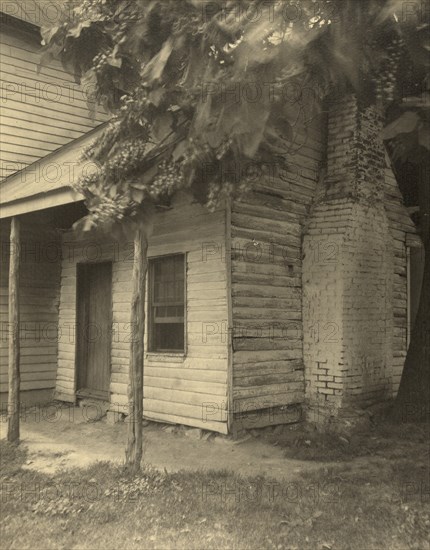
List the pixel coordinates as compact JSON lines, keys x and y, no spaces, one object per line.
{"x":152,"y":350}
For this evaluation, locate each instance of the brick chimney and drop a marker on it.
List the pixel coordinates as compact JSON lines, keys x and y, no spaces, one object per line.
{"x":348,"y":272}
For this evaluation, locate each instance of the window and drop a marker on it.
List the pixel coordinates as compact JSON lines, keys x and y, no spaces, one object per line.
{"x":167,"y":307}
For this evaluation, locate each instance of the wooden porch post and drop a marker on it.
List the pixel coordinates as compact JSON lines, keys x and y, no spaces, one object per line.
{"x":14,"y":352}
{"x":135,"y":386}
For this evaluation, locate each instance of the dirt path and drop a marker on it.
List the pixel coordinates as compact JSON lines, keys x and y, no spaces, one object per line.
{"x":71,"y":441}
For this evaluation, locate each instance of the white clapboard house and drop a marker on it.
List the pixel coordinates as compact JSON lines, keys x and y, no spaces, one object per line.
{"x":296,"y":298}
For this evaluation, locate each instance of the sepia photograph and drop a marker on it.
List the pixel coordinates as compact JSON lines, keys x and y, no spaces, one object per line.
{"x":214,"y":275}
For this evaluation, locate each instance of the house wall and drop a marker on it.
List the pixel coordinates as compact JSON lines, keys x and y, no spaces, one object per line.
{"x":41,"y":111}
{"x":38,"y":302}
{"x":189,"y":389}
{"x":266,"y":271}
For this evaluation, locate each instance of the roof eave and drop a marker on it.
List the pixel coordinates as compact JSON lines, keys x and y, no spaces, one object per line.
{"x":41,"y":201}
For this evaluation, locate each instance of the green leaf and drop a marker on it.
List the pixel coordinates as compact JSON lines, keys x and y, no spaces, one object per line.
{"x":424,"y":136}
{"x":156,"y":96}
{"x":405,"y":124}
{"x":154,"y":69}
{"x":145,"y":178}
{"x":162,"y":126}
{"x":75,"y":32}
{"x":246,"y":121}
{"x":137,"y":195}
{"x":89,"y":82}
{"x":179,"y":150}
{"x":84,"y":225}
{"x":48,"y":33}
{"x":113,"y":60}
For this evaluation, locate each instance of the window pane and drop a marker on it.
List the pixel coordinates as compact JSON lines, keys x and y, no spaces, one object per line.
{"x":168,"y":280}
{"x":169,"y":336}
{"x":179,"y":291}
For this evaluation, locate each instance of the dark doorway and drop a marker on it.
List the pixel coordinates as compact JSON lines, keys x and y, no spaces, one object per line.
{"x":94,"y":318}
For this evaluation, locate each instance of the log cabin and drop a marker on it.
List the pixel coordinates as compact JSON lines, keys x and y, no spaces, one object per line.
{"x":293,"y":302}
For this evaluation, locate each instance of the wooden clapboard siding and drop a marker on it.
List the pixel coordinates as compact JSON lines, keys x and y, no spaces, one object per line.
{"x":266,"y":233}
{"x":190,"y":389}
{"x":400,"y":225}
{"x":41,"y":111}
{"x":39,"y":297}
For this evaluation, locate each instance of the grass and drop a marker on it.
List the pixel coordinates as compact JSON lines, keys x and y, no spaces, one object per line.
{"x":377,"y":503}
{"x":304,"y":442}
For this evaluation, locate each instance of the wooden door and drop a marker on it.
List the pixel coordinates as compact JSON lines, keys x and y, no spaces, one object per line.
{"x":94,"y":315}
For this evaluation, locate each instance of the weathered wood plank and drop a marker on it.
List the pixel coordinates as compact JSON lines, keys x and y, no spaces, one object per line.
{"x":203,"y":369}
{"x":193,"y":386}
{"x":46,"y":109}
{"x":260,"y":401}
{"x":220,"y":427}
{"x":14,"y":347}
{"x":212,"y":411}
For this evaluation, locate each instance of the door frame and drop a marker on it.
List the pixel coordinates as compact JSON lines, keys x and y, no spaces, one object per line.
{"x":79,"y":392}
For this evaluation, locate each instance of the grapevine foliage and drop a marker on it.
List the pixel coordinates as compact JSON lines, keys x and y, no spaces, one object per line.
{"x":177,"y":75}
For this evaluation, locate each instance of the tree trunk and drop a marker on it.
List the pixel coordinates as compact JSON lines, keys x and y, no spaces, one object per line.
{"x":412,"y":402}
{"x":14,"y":375}
{"x":135,"y":387}
{"x":413,"y":398}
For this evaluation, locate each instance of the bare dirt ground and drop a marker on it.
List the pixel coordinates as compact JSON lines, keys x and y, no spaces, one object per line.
{"x":64,"y":486}
{"x":67,"y":439}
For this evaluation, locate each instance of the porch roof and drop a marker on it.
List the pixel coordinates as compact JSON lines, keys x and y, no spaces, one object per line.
{"x":47,"y":182}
